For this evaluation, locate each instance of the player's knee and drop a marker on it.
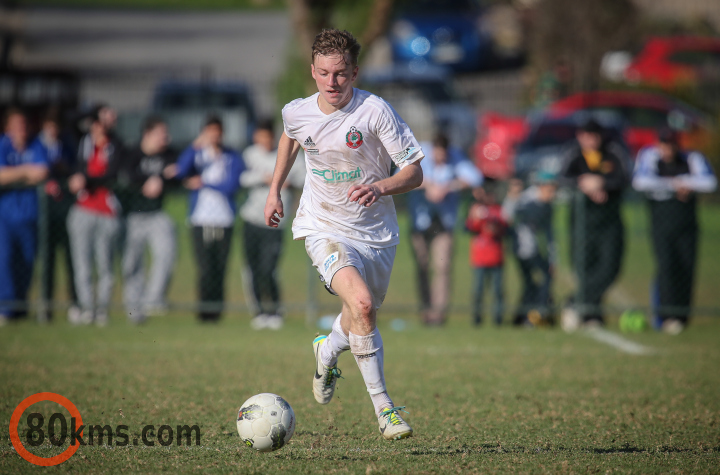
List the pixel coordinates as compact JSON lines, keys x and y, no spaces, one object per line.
{"x":363,"y":306}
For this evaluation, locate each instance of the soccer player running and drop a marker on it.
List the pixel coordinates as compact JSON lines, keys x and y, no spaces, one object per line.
{"x":346,"y":214}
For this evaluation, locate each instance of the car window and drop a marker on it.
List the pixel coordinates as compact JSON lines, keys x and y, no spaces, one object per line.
{"x":397,"y":91}
{"x":550,"y":134}
{"x":695,"y":58}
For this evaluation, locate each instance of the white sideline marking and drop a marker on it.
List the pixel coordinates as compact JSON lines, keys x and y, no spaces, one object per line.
{"x":616,"y":341}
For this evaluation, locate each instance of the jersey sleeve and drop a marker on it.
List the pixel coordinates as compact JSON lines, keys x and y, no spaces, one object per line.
{"x":398,"y":139}
{"x":290,"y":126}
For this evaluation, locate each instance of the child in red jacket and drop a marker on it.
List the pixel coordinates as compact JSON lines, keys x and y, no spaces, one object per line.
{"x":485,"y":220}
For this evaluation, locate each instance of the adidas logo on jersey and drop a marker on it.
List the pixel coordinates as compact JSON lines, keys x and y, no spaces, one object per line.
{"x":309,"y":142}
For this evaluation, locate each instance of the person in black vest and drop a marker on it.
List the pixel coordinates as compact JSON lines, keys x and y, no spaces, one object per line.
{"x":594,"y":166}
{"x":671,"y":179}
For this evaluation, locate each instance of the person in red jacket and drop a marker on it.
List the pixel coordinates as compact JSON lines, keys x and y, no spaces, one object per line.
{"x":486,"y":221}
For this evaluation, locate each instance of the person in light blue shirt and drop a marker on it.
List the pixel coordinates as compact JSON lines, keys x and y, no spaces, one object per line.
{"x":212,"y":173}
{"x":672,"y":178}
{"x":433,"y":215}
{"x":23,"y":165}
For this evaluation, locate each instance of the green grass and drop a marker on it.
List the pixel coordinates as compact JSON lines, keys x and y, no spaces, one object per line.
{"x":480,"y":400}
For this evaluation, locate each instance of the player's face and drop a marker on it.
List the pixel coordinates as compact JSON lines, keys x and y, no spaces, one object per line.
{"x":440,"y":155}
{"x":16,"y":129}
{"x":158,"y":138}
{"x":214,"y":134}
{"x":589,"y":140}
{"x":667,"y":151}
{"x":264,"y":138}
{"x":334,"y":77}
{"x":547,"y":192}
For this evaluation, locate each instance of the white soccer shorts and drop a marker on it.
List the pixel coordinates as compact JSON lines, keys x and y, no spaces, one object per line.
{"x":330,"y":253}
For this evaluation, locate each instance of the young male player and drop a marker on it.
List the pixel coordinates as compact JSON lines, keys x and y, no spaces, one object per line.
{"x":346,"y":215}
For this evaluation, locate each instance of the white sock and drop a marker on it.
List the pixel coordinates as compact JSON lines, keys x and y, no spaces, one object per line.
{"x":337,"y":342}
{"x":369,"y":355}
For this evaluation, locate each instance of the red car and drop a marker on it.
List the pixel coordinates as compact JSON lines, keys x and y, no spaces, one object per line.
{"x":644,"y":112}
{"x":495,"y":146}
{"x":675,"y":61}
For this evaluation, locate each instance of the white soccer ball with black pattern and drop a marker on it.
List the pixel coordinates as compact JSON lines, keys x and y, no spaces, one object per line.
{"x":266,"y":422}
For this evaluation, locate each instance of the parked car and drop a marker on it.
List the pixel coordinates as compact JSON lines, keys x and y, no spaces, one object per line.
{"x":676,"y":61}
{"x":498,"y":136}
{"x":186,"y":105}
{"x":644,"y":113}
{"x":549,"y":138}
{"x":449,"y":33}
{"x":426,"y":100}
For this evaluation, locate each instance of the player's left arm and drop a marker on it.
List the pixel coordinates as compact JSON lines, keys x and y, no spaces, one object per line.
{"x":408,"y":178}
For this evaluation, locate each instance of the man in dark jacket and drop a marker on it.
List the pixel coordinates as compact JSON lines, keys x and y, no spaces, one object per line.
{"x":671,"y":178}
{"x":146,"y":223}
{"x":595,"y":168}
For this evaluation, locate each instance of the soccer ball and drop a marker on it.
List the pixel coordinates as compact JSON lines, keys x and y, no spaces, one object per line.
{"x":266,"y":422}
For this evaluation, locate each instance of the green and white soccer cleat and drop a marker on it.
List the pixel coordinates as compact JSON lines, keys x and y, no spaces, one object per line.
{"x":325,"y":378}
{"x":392,"y":426}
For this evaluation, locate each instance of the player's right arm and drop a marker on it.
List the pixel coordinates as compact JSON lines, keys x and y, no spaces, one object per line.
{"x":286,"y":153}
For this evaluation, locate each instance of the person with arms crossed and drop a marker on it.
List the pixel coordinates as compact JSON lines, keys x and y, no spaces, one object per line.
{"x":346,"y":214}
{"x":147,"y":225}
{"x":23,"y":165}
{"x":263,"y":245}
{"x":671,"y":179}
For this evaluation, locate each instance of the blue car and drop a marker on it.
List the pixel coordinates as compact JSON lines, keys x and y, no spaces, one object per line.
{"x":446,"y":33}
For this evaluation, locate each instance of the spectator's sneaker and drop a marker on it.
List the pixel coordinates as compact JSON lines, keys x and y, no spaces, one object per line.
{"x":259,"y":322}
{"x":101,"y":319}
{"x":569,"y":320}
{"x":325,"y":378}
{"x":673,"y":326}
{"x":85,"y":317}
{"x":73,"y":314}
{"x":274,"y":322}
{"x":392,"y":426}
{"x":137,"y":318}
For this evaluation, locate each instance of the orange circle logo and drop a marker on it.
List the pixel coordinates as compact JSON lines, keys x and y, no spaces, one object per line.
{"x":15,"y":421}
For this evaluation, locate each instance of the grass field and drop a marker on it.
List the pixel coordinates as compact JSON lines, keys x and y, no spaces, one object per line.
{"x":480,"y":400}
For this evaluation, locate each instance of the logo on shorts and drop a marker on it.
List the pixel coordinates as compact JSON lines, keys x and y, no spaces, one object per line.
{"x":354,"y":138}
{"x":330,"y":260}
{"x":334,"y":176}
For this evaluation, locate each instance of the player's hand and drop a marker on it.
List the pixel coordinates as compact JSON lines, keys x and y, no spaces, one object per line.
{"x":152,"y":187}
{"x":273,"y":210}
{"x":436,"y":193}
{"x":76,"y":183}
{"x":598,"y":197}
{"x":683,"y":194}
{"x":170,"y":171}
{"x":193,"y":183}
{"x":365,"y":194}
{"x":590,"y":184}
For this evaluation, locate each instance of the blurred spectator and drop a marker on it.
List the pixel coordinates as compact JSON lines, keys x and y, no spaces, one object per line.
{"x":147,"y":225}
{"x":530,"y":213}
{"x":433,"y":214}
{"x":671,"y":179}
{"x":263,"y":244}
{"x":23,"y":165}
{"x":597,"y":233}
{"x":485,"y":219}
{"x":212,"y":173}
{"x":93,"y":223}
{"x":61,"y":159}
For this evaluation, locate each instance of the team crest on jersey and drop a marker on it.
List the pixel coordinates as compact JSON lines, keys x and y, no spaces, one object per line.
{"x":354,"y":138}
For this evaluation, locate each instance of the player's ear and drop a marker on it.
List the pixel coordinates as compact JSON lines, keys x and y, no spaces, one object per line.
{"x":312,"y":70}
{"x":355,"y":73}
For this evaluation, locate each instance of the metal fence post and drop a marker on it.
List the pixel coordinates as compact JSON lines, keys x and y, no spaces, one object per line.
{"x":43,"y":305}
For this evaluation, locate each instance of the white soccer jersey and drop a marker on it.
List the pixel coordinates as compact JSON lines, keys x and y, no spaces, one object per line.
{"x":353,"y":145}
